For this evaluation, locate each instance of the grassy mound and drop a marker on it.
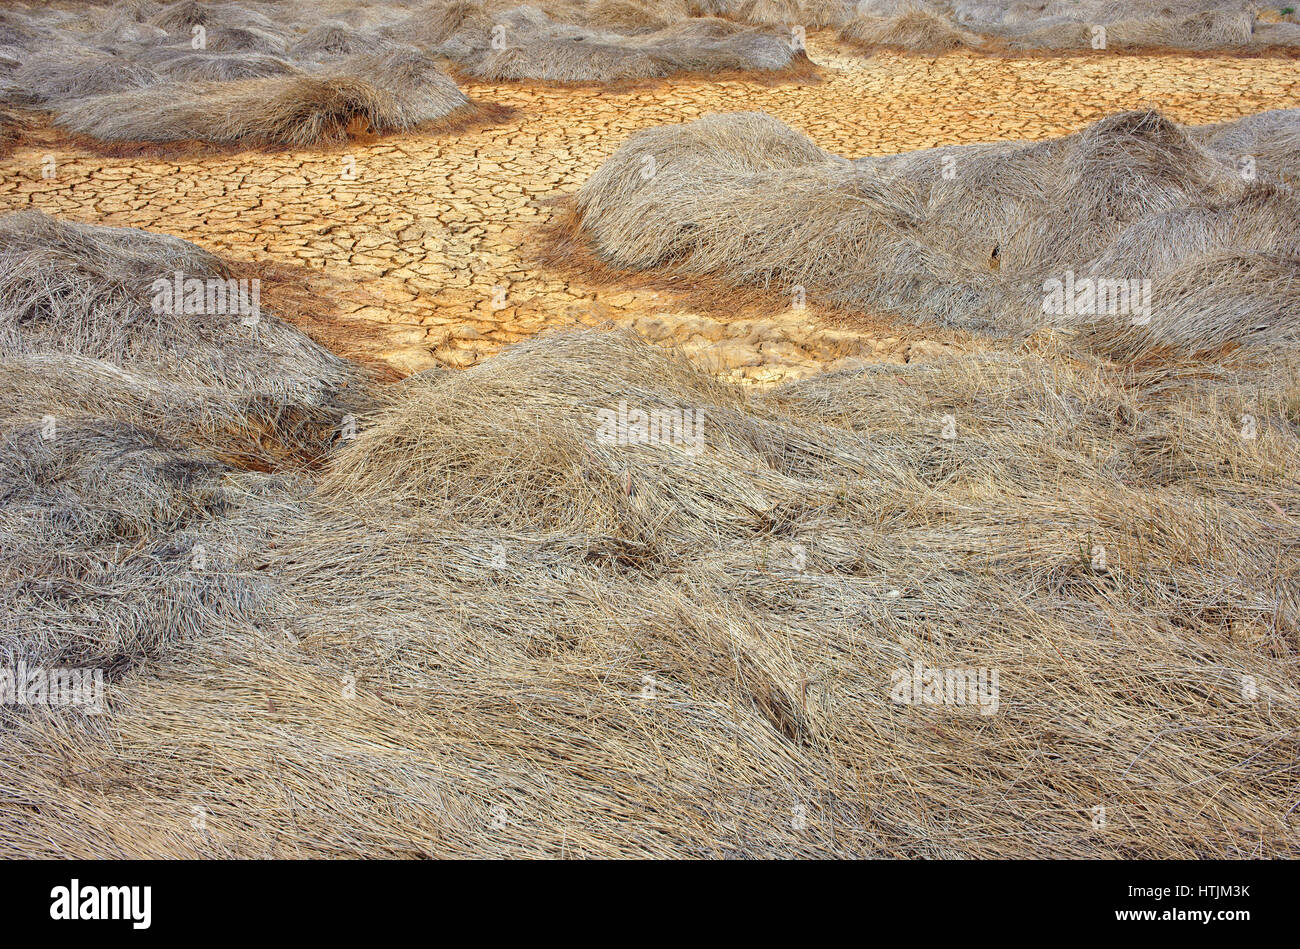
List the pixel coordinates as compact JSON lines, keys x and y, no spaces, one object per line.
{"x":133,"y":434}
{"x":1064,"y":25}
{"x":85,"y":290}
{"x":226,"y":73}
{"x":275,"y":74}
{"x":405,"y":90}
{"x":494,"y":42}
{"x":499,"y":631}
{"x":973,"y":236}
{"x":915,"y":29}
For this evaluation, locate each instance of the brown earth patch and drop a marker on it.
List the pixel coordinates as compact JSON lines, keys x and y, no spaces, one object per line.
{"x":433,"y":251}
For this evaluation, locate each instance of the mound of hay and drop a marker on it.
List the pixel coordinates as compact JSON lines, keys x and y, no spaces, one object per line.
{"x":229,"y":74}
{"x":492,"y":43}
{"x":910,"y":30}
{"x":189,"y":66}
{"x":810,"y":14}
{"x":62,"y":75}
{"x":1207,"y":29}
{"x":1270,"y":140}
{"x":969,"y":236}
{"x":1284,"y":34}
{"x":135,"y":437}
{"x":239,"y":23}
{"x":118,"y":544}
{"x":437,"y":23}
{"x":421,"y":91}
{"x":404,"y":91}
{"x":336,"y":39}
{"x":634,"y":15}
{"x":91,"y":291}
{"x":483,"y":568}
{"x":939,"y":25}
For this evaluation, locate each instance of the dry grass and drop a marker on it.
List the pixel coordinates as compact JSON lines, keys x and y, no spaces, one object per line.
{"x":492,"y":634}
{"x":129,"y":435}
{"x":408,"y":92}
{"x":293,"y":74}
{"x":147,"y":78}
{"x":917,"y":29}
{"x":969,"y":236}
{"x":284,"y":74}
{"x":476,"y":627}
{"x":494,"y":42}
{"x":86,"y":291}
{"x":1095,"y":27}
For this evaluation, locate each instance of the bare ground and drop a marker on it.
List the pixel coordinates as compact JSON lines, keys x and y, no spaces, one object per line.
{"x":426,"y":250}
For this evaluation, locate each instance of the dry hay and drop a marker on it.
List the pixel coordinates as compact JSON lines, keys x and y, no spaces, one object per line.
{"x":66,"y":74}
{"x":132,"y":437}
{"x":494,"y":633}
{"x":1271,"y":139}
{"x":969,"y":236}
{"x":627,"y":16}
{"x":118,"y":542}
{"x":88,"y":291}
{"x":1065,"y":25}
{"x":335,"y":39}
{"x":189,"y":65}
{"x":491,"y":42}
{"x":242,"y":23}
{"x":810,"y":14}
{"x":142,"y":74}
{"x":910,"y":30}
{"x":405,"y":90}
{"x":288,"y":74}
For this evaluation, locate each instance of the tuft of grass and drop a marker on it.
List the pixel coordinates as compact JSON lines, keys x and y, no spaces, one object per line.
{"x":1157,"y":211}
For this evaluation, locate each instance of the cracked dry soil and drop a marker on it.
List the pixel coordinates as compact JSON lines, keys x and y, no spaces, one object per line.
{"x":418,"y":251}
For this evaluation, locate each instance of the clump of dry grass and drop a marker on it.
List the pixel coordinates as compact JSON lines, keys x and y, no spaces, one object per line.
{"x":1270,"y":140}
{"x":810,"y":14}
{"x":119,"y":544}
{"x":88,"y":291}
{"x":187,"y":65}
{"x":634,"y":15}
{"x":1093,"y":26}
{"x":915,"y":29}
{"x":337,"y":39}
{"x":67,"y":74}
{"x":406,"y":90}
{"x":968,"y":236}
{"x":132,"y":439}
{"x":239,"y":25}
{"x":495,"y":633}
{"x":232,"y":75}
{"x":496,"y":41}
{"x":276,"y":75}
{"x":1203,"y":29}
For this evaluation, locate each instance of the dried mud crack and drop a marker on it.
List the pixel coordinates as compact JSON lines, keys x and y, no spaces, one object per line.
{"x":428,"y":246}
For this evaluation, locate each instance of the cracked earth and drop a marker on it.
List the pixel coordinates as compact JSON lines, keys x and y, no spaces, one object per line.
{"x":425,"y":249}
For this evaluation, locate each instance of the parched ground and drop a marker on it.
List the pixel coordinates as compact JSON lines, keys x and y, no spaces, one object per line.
{"x":426,"y":247}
